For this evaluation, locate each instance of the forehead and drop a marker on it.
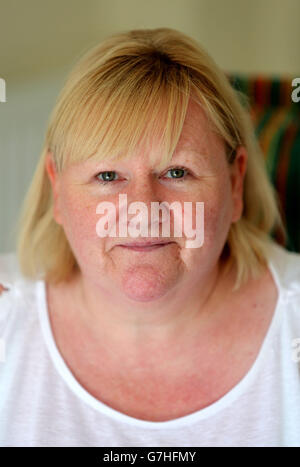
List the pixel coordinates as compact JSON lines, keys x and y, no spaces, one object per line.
{"x":197,"y":129}
{"x":198,"y":138}
{"x":198,"y":142}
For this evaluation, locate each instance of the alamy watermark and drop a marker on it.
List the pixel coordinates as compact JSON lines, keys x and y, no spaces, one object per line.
{"x":2,"y":350}
{"x":296,"y":92}
{"x":296,"y":350}
{"x":183,"y":214}
{"x":2,"y":90}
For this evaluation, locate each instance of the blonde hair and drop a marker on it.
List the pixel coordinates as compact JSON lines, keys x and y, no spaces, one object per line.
{"x":133,"y":87}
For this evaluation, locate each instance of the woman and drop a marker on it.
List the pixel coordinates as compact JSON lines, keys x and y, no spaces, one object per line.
{"x":141,"y":340}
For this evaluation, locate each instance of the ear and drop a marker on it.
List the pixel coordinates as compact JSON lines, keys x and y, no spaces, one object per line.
{"x":53,"y":175}
{"x":238,"y":171}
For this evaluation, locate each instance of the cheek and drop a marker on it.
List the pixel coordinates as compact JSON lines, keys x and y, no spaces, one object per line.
{"x":79,"y":222}
{"x":215,"y":223}
{"x":217,"y":216}
{"x":217,"y":201}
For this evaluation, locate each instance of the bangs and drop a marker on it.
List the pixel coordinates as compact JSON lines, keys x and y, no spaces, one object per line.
{"x":111,"y":112}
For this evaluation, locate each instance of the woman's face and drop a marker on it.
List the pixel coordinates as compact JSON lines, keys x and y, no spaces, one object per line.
{"x":146,"y":275}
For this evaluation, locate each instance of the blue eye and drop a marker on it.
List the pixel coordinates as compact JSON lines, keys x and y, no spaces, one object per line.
{"x":177,"y":173}
{"x":107,"y":176}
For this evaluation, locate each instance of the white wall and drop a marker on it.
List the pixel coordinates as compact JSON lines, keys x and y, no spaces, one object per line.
{"x":247,"y":35}
{"x":40,"y":40}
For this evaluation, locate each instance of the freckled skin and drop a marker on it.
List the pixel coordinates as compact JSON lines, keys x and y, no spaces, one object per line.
{"x":144,"y":277}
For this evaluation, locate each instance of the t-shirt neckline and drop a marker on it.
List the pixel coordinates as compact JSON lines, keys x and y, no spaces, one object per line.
{"x":188,"y":419}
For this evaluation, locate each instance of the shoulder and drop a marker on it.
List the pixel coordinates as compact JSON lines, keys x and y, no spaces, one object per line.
{"x":285,"y":266}
{"x":9,"y":277}
{"x":9,"y":268}
{"x":17,"y":293}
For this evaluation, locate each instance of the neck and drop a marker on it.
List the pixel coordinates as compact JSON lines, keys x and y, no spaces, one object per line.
{"x":181,"y":315}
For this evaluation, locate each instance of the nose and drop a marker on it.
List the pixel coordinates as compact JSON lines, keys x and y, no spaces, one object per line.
{"x":140,"y":195}
{"x":144,"y":189}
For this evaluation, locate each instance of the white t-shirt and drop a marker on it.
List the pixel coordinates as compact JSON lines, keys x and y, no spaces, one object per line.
{"x":42,"y":404}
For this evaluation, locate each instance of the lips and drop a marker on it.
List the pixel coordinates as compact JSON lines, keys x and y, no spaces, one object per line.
{"x":145,"y":246}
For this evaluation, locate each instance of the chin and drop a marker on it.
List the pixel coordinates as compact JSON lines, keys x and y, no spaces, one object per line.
{"x":144,"y":283}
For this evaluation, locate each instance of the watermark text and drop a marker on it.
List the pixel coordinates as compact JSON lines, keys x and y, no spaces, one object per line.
{"x":296,"y":350}
{"x":2,"y":350}
{"x":187,"y":220}
{"x":296,"y":91}
{"x":2,"y":90}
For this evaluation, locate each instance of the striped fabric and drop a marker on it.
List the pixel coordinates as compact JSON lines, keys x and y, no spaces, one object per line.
{"x":277,"y":124}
